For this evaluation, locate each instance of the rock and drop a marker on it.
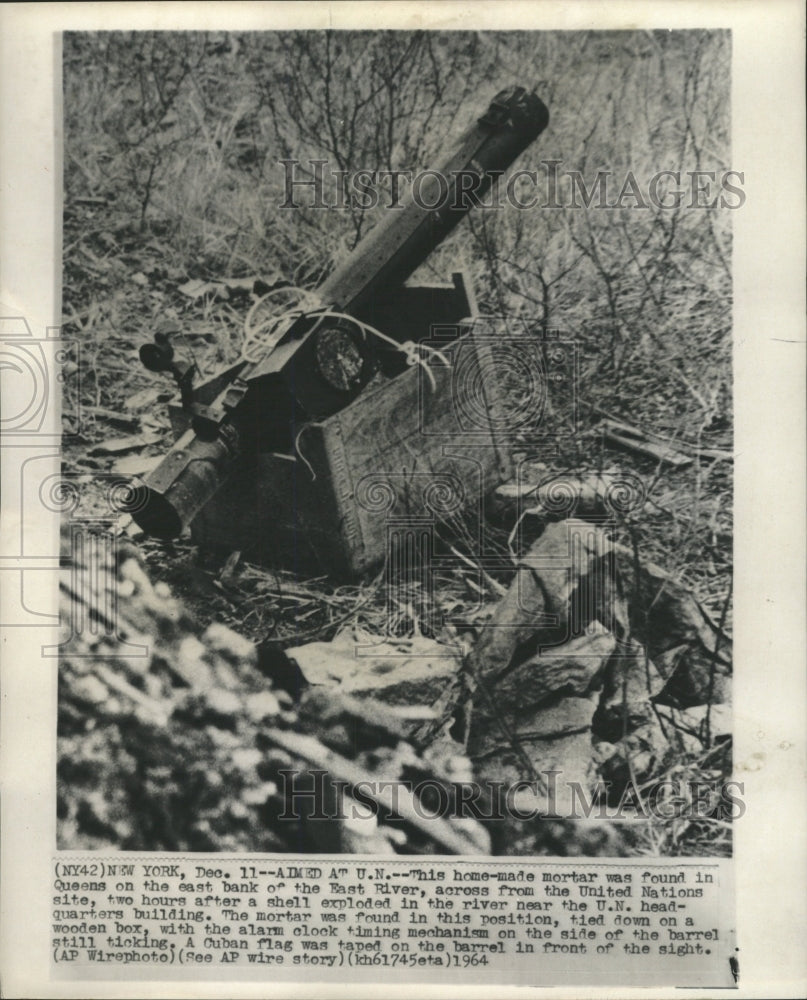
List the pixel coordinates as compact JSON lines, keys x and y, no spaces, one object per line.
{"x":640,"y":754}
{"x":247,"y":759}
{"x":238,"y":809}
{"x":650,"y":643}
{"x":626,"y":718}
{"x":573,"y":668}
{"x":257,"y":796}
{"x":156,"y":714}
{"x":229,"y":644}
{"x":680,"y":637}
{"x":224,"y":675}
{"x":554,"y":737}
{"x":563,"y":718}
{"x":631,"y":684}
{"x":89,"y":689}
{"x":414,"y":673}
{"x":223,"y":708}
{"x":191,"y":664}
{"x":574,"y":575}
{"x":261,"y":705}
{"x":537,"y":606}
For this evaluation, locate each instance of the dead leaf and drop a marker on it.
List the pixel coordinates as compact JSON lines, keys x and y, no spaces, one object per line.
{"x":229,"y":568}
{"x":145,"y":397}
{"x":413,"y":674}
{"x":136,"y":465}
{"x":116,"y":446}
{"x":127,"y":422}
{"x":195,"y":288}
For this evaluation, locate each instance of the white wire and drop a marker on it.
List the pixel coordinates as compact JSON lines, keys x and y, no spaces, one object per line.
{"x":302,"y":456}
{"x":310,"y":304}
{"x":270,"y":330}
{"x":303,"y":293}
{"x":408,"y":347}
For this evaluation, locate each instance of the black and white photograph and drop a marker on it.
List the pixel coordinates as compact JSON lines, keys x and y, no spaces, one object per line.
{"x":408,"y":357}
{"x":396,"y":430}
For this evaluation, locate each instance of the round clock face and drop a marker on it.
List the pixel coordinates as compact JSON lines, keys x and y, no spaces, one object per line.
{"x":339,"y":359}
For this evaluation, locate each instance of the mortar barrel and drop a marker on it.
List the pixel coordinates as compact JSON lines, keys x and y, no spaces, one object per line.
{"x":174,"y":493}
{"x":405,"y":237}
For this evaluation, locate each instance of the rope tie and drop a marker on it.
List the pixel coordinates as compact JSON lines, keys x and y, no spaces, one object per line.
{"x":261,"y":335}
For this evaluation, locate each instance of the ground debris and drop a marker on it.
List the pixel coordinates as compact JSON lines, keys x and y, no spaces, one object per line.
{"x":409,"y":672}
{"x":116,"y":446}
{"x":573,"y":666}
{"x":172,"y":738}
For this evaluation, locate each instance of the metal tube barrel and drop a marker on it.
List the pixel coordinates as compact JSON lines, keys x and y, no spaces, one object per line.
{"x":400,"y":243}
{"x":188,"y":476}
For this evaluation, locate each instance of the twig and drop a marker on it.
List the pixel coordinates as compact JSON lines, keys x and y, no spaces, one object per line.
{"x":494,"y":585}
{"x":713,"y":662}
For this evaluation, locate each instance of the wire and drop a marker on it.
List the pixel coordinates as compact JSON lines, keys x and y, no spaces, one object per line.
{"x":270,"y":330}
{"x":407,"y":347}
{"x":308,"y":465}
{"x":264,"y":334}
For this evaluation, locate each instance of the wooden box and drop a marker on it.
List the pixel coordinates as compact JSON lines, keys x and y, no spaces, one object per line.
{"x":409,"y":453}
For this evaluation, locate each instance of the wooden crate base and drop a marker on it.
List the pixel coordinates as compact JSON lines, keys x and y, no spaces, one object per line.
{"x":399,"y":460}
